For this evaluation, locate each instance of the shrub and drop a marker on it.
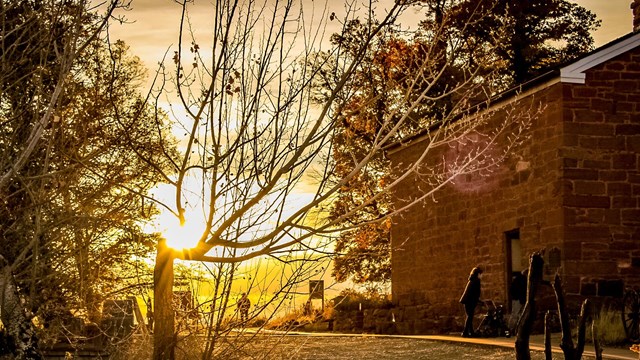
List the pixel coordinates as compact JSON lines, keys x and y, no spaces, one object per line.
{"x":257,"y":322}
{"x":290,"y":321}
{"x":608,"y":323}
{"x":350,"y":300}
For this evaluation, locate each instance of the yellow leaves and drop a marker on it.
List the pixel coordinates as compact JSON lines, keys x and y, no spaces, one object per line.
{"x":395,"y":53}
{"x":362,"y":124}
{"x":386,"y":224}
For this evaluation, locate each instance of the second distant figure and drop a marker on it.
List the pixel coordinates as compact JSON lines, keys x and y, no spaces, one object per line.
{"x":243,"y":306}
{"x":470,"y":299}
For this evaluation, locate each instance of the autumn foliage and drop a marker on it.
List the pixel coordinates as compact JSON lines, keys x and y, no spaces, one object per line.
{"x":462,"y":53}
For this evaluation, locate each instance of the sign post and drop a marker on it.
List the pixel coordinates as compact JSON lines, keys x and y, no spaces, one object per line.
{"x":316,"y":291}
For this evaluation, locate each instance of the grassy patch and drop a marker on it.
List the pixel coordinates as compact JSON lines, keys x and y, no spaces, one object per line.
{"x":608,"y":323}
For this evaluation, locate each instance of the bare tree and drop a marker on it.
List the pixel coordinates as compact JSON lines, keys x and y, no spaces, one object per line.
{"x":254,"y":135}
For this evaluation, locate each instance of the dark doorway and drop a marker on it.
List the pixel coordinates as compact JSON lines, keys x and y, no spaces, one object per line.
{"x":513,"y":260}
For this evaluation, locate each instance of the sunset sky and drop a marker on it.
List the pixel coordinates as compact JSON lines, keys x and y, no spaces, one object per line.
{"x":155,"y":23}
{"x":153,"y":33}
{"x":152,"y":29}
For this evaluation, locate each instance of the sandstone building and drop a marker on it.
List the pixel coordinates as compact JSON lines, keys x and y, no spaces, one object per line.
{"x":571,"y":187}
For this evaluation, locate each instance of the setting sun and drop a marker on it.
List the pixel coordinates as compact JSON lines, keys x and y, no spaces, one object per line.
{"x":184,"y":236}
{"x":180,"y":236}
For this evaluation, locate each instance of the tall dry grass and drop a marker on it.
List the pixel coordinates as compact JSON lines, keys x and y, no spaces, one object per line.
{"x":608,"y":321}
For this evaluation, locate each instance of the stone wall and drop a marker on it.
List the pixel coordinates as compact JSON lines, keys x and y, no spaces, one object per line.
{"x":635,"y":7}
{"x":417,"y":319}
{"x":572,"y":185}
{"x":601,"y":179}
{"x":435,"y":245}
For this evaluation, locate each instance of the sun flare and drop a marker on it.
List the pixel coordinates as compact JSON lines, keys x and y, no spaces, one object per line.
{"x":184,"y":236}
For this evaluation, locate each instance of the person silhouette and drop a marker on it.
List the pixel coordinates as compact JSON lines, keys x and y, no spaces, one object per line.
{"x":470,"y":298}
{"x":243,"y":307}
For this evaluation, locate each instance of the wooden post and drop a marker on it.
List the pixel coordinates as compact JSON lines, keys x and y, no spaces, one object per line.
{"x":547,"y":336}
{"x":528,"y":316}
{"x":525,"y":324}
{"x":585,"y":313}
{"x":566,"y":343}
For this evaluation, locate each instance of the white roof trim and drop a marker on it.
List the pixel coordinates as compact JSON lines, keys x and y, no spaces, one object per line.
{"x":574,"y":73}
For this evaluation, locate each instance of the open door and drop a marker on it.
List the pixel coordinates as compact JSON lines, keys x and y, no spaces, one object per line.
{"x":513,"y":260}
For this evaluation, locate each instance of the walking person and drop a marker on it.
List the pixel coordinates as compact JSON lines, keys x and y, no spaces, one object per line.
{"x":243,"y":306}
{"x":470,"y":299}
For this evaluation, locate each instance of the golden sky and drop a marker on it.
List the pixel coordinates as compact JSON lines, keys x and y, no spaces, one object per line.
{"x":616,"y":18}
{"x":153,"y":30}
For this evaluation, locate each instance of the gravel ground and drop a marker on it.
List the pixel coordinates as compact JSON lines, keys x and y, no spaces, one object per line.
{"x":342,"y":348}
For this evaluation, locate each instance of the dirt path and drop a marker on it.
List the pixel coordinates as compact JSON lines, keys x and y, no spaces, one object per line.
{"x":301,"y":347}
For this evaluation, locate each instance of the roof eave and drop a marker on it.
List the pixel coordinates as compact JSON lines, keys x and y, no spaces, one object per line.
{"x":574,"y":73}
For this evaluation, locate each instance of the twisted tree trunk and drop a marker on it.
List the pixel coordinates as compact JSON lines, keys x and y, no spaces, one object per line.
{"x":570,"y":351}
{"x":547,"y":336}
{"x":596,"y":342}
{"x":528,"y":316}
{"x":525,"y":323}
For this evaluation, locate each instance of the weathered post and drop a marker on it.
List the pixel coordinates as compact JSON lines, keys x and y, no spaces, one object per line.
{"x":547,"y":336}
{"x":566,"y":343}
{"x":525,"y":325}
